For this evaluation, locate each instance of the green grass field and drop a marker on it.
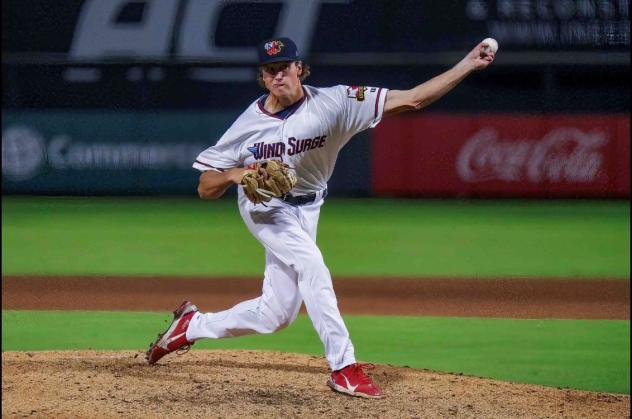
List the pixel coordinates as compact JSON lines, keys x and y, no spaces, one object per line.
{"x":358,"y":237}
{"x":584,"y":354}
{"x":415,"y":238}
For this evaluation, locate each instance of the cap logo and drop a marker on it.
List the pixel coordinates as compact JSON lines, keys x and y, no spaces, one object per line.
{"x":273,"y":47}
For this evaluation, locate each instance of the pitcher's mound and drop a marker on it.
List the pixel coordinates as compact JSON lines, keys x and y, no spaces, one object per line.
{"x":264,"y":384}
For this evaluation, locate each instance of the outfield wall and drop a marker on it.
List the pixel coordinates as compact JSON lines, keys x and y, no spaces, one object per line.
{"x":425,"y":154}
{"x":118,"y":97}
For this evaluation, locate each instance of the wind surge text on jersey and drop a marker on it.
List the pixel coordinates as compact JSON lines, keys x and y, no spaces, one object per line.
{"x":294,"y":146}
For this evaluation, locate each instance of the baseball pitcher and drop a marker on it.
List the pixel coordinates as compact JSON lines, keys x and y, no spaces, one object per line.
{"x":281,"y":152}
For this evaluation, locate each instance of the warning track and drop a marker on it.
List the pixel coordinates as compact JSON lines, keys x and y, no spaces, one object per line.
{"x":512,"y":298}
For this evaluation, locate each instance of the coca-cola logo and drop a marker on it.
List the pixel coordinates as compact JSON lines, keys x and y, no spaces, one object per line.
{"x":562,"y":155}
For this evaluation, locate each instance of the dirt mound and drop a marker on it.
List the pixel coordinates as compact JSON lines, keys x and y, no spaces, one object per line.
{"x":266,"y":384}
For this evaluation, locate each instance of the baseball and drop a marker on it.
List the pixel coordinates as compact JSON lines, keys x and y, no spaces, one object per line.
{"x":492,"y":45}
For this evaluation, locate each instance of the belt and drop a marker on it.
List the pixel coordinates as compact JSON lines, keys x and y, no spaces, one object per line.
{"x":302,"y":199}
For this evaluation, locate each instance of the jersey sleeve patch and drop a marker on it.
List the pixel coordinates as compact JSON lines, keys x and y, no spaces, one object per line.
{"x":356,"y":92}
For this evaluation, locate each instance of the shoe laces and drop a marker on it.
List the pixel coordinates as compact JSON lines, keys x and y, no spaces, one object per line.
{"x":358,"y":371}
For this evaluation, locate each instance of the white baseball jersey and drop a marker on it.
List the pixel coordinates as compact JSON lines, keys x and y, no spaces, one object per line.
{"x":308,"y":138}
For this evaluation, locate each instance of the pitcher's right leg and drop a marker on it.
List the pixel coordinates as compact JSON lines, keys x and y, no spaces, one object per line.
{"x":283,"y":234}
{"x":275,"y":309}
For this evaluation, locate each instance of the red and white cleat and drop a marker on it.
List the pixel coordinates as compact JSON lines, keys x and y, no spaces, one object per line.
{"x":175,"y":338}
{"x":353,"y":381}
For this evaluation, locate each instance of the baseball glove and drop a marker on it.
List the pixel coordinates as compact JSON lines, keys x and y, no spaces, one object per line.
{"x":268,"y":179}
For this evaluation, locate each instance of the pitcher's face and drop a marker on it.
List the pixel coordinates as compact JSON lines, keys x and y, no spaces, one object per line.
{"x":282,"y":78}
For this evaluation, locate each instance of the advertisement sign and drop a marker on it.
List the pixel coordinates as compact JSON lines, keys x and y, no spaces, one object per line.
{"x":130,"y":153}
{"x":85,"y":35}
{"x":496,"y":155}
{"x":221,"y":30}
{"x":144,"y":54}
{"x":80,"y":152}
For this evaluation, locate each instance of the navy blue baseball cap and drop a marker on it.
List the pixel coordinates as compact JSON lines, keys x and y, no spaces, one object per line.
{"x":277,"y":49}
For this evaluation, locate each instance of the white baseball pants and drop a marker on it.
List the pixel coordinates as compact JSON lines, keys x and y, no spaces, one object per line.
{"x":295,"y":272}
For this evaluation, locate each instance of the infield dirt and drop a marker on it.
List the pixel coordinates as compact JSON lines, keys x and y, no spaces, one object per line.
{"x":91,"y":384}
